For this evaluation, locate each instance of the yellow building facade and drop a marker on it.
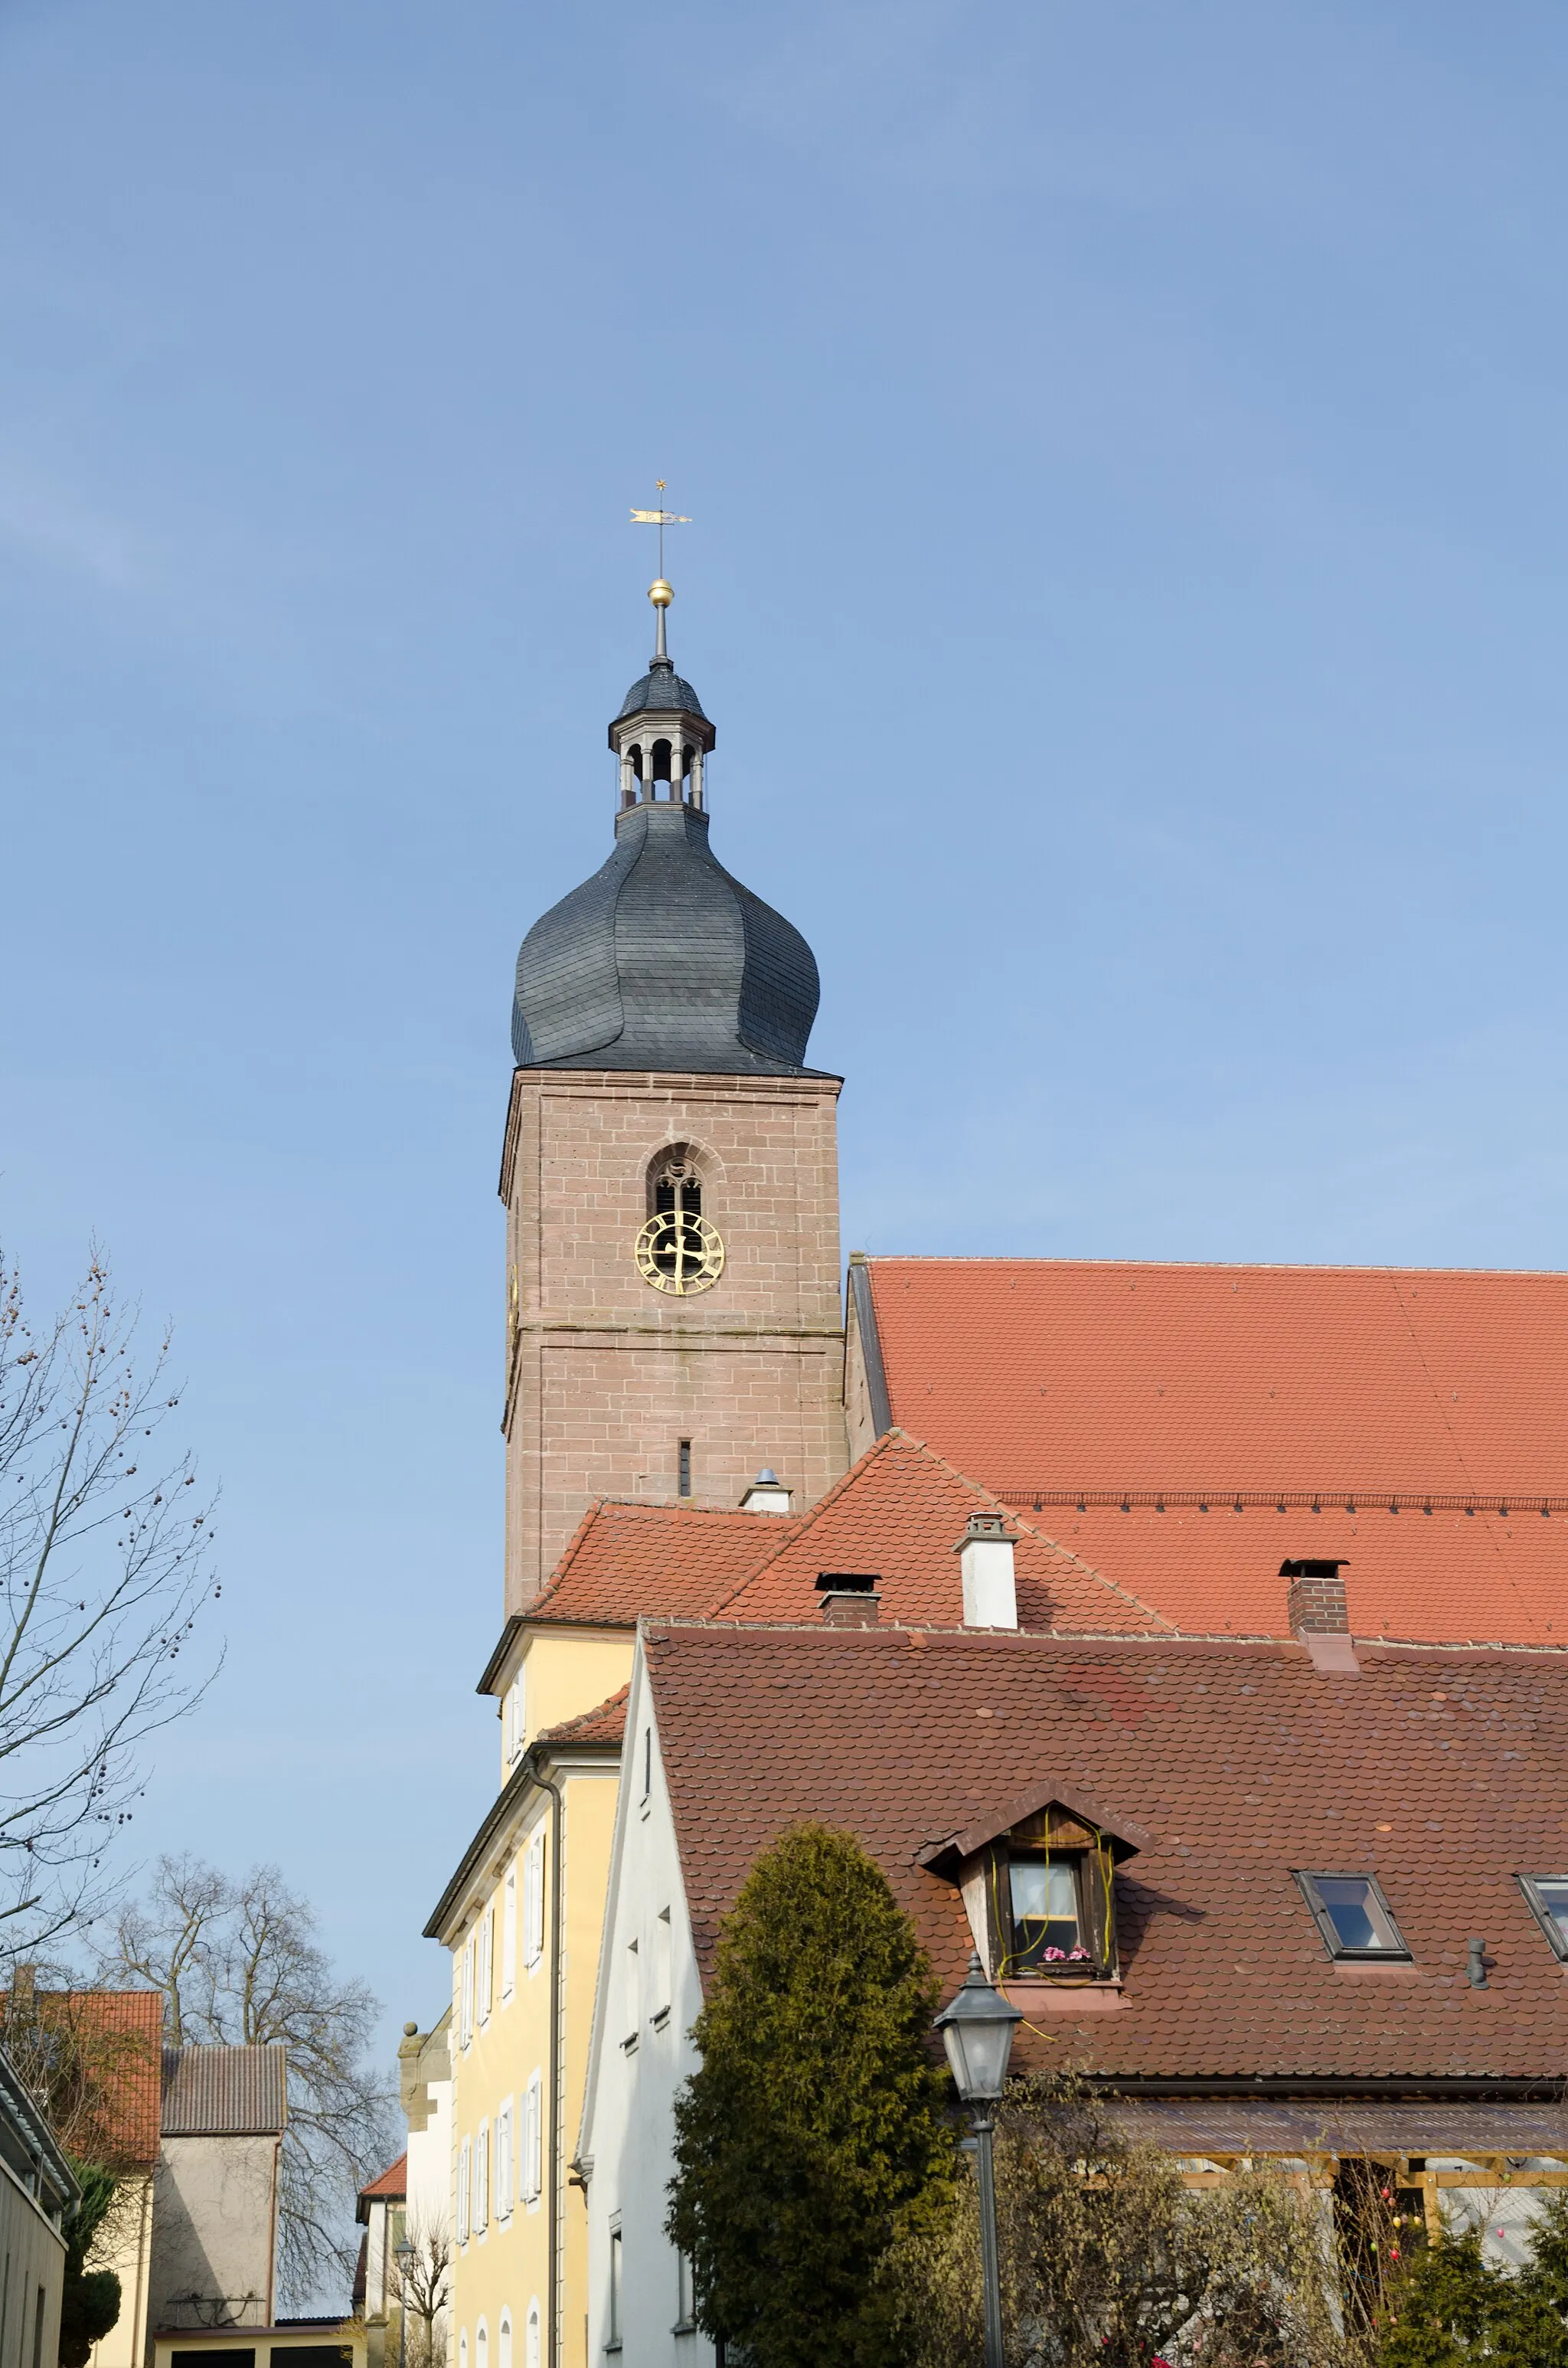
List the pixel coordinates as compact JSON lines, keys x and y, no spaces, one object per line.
{"x":521,"y":1918}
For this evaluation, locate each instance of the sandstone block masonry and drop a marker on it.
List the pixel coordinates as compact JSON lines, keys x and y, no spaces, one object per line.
{"x":607,"y":1376}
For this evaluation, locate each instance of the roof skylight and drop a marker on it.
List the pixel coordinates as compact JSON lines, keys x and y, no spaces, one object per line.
{"x":1353,"y":1916}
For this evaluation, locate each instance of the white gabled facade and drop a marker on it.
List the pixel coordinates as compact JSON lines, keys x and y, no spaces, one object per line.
{"x":649,"y":1996}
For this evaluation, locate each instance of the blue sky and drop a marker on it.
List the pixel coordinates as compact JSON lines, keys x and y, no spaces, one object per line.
{"x":1127,"y":453}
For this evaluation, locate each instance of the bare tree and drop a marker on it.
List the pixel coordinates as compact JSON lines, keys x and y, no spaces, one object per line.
{"x":425,"y":2288}
{"x":103,"y":1567}
{"x":239,"y":1964}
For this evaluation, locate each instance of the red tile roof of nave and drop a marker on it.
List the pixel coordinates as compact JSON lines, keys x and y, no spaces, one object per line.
{"x":1440,"y":1773}
{"x":900,"y":1513}
{"x":668,"y":1560}
{"x":1445,"y":1576}
{"x":1038,"y":1374}
{"x":605,"y":1723}
{"x":392,"y":2184}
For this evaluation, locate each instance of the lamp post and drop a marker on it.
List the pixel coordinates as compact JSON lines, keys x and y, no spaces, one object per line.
{"x":977,"y":2032}
{"x":404,"y":2253}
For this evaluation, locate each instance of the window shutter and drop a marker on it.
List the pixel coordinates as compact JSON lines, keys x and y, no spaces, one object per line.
{"x":464,"y":2175}
{"x":533,"y":1918}
{"x":465,"y":2030}
{"x":532,"y":2137}
{"x":482,"y":2180}
{"x":509,"y":1934}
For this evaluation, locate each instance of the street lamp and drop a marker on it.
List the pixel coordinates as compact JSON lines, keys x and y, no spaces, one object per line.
{"x":977,"y":2032}
{"x":404,"y":2252}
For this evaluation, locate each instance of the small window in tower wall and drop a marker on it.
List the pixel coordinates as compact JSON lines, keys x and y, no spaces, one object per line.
{"x":683,"y":1469}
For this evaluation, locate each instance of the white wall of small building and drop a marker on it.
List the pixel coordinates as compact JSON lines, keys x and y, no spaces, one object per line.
{"x":629,"y":2119}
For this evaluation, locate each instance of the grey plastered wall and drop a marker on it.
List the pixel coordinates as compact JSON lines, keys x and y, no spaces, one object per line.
{"x":213,"y":2214}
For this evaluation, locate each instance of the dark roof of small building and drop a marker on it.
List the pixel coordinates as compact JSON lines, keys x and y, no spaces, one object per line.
{"x":224,"y":2091}
{"x":1438,"y":1771}
{"x":661,"y":691}
{"x":662,"y":961}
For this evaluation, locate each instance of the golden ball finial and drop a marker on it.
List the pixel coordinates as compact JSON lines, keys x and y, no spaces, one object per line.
{"x":660,"y":594}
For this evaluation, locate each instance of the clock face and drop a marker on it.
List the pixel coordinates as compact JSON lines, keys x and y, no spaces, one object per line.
{"x":680,"y":1251}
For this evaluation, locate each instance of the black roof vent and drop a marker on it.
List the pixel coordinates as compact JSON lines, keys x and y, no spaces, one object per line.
{"x":1312,"y":1569}
{"x":848,"y":1582}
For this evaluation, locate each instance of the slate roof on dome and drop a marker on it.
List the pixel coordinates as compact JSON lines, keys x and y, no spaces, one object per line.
{"x":661,"y":691}
{"x":662,"y":961}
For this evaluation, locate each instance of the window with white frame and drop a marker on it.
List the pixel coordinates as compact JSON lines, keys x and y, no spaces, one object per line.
{"x":482,"y":2180}
{"x":505,"y":2345}
{"x":485,"y":1973}
{"x":465,"y":2016}
{"x":504,"y":2159}
{"x":533,"y":1898}
{"x":531,"y":2340}
{"x":660,"y":1968}
{"x":465,"y":2188}
{"x":531,"y":2171}
{"x":463,"y":2349}
{"x":516,"y":1719}
{"x":509,"y":1933}
{"x":686,"y":2297}
{"x":481,"y":2346}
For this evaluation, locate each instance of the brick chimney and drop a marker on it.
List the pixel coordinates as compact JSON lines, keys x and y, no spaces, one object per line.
{"x":986,"y":1559}
{"x":850,"y":1600}
{"x":1317,"y":1614}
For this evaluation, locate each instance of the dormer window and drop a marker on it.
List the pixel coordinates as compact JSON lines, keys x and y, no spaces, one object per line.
{"x":1547,"y":1898}
{"x":1354,"y":1918}
{"x":1039,"y":1883}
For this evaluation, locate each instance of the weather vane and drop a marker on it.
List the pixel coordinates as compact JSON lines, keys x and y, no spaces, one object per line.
{"x":661,"y":518}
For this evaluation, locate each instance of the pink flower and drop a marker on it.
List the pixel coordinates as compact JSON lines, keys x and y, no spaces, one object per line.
{"x":1055,"y":1956}
{"x":1075,"y":1953}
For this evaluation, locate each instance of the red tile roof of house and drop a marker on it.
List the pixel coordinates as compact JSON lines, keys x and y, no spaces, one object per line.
{"x":119,"y":2033}
{"x":627,"y":1558}
{"x":899,"y":1512}
{"x":390,"y":2187}
{"x":1344,"y":1381}
{"x":1439,"y":1771}
{"x":605,"y":1723}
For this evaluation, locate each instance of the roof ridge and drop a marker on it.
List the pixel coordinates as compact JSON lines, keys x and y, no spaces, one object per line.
{"x":561,"y":1731}
{"x":1200,"y":1266}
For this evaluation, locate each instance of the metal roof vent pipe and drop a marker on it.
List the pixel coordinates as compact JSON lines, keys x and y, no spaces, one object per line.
{"x":850,"y":1598}
{"x":1318,"y":1615}
{"x":986,"y":1559}
{"x":766,"y":1494}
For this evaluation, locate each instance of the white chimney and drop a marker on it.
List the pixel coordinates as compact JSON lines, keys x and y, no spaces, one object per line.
{"x":765,"y":1496}
{"x":985,"y":1552}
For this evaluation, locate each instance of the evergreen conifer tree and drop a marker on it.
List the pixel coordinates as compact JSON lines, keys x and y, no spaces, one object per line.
{"x":813,"y":2129}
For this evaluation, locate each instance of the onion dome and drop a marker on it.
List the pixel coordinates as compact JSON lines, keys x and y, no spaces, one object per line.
{"x":663,"y":960}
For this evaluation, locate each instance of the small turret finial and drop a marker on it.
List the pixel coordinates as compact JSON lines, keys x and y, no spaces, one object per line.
{"x":659,"y":591}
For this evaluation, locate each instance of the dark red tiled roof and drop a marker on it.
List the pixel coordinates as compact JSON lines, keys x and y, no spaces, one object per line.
{"x":899,"y":1512}
{"x":1349,"y":1380}
{"x":669,"y":1560}
{"x":605,"y":1723}
{"x":1439,"y":1771}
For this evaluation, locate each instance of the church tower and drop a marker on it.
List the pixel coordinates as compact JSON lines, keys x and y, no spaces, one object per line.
{"x":670,"y":1172}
